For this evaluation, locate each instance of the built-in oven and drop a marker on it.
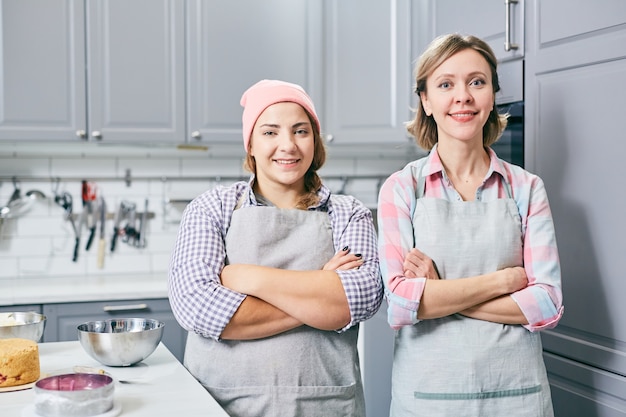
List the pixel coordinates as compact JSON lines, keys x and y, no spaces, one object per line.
{"x":510,"y":99}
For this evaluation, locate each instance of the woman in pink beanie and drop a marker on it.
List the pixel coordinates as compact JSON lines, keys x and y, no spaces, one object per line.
{"x":272,"y":276}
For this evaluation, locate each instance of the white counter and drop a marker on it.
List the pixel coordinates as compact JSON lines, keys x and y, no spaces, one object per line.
{"x":67,"y":290}
{"x":160,"y":385}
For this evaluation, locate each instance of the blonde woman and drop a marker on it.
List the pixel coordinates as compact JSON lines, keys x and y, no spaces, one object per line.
{"x":467,"y":252}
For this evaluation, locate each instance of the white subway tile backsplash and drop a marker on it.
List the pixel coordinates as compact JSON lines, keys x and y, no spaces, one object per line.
{"x":8,"y":267}
{"x":53,"y":265}
{"x":30,"y":167}
{"x":161,"y":242}
{"x":161,"y":261}
{"x":154,"y":167}
{"x":40,"y":243}
{"x":33,"y":246}
{"x":224,"y":167}
{"x":337,"y":167}
{"x":181,"y":190}
{"x":381,"y":166}
{"x":82,"y":167}
{"x":55,"y":225}
{"x":121,"y":261}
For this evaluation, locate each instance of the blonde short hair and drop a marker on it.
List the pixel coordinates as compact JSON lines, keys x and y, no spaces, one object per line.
{"x":423,"y":127}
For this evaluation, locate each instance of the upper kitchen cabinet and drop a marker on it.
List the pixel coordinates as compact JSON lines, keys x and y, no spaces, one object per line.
{"x":136,"y":70}
{"x":240,"y":42}
{"x":42,"y":69}
{"x":367,"y":72}
{"x":499,"y":23}
{"x":92,"y":70}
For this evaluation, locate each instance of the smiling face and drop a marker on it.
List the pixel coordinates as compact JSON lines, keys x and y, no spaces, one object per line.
{"x":459,"y":96}
{"x":282,"y":144}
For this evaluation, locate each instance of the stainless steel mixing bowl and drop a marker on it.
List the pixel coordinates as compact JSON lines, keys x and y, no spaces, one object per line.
{"x":120,"y":342}
{"x":23,"y":325}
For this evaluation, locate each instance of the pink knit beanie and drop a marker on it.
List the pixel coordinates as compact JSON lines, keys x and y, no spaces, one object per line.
{"x":267,"y":92}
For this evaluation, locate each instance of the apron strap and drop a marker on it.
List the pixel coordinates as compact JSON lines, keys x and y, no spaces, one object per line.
{"x":421,"y":187}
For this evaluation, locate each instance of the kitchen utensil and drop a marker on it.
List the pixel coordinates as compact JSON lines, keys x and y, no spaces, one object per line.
{"x":74,"y":395}
{"x":120,"y":342}
{"x":65,"y":200}
{"x":22,"y":324}
{"x":130,"y":231}
{"x":19,"y":205}
{"x":88,"y":194}
{"x":141,"y":239}
{"x":120,"y":214}
{"x":101,"y":244}
{"x":91,"y":370}
{"x":14,"y":203}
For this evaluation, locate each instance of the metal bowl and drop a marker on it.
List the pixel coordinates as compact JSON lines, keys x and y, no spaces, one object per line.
{"x":22,"y":325}
{"x":74,"y":395}
{"x":120,"y":342}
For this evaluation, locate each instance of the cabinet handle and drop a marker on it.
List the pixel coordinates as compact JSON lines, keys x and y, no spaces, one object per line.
{"x":329,"y":138}
{"x":507,"y":26}
{"x":196,"y":135}
{"x":126,"y":307}
{"x":96,"y":134}
{"x":81,"y":134}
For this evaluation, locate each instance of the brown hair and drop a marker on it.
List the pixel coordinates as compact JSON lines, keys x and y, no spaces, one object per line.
{"x":423,"y":127}
{"x":312,"y":181}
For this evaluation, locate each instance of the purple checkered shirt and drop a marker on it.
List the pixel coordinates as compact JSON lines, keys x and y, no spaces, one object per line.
{"x":202,"y":305}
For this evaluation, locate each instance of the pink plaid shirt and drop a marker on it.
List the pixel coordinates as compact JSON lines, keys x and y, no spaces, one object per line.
{"x":540,"y":302}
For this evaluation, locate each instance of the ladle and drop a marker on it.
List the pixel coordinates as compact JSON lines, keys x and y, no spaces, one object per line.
{"x":18,"y":205}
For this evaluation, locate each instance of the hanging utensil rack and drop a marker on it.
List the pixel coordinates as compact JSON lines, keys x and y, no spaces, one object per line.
{"x":128,"y":178}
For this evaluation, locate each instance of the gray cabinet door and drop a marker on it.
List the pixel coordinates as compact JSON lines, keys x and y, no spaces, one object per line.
{"x":42,"y":69}
{"x":486,"y":19}
{"x":136,"y":62}
{"x":368,"y":71}
{"x":576,"y":77}
{"x":239,"y":43}
{"x":62,"y":319}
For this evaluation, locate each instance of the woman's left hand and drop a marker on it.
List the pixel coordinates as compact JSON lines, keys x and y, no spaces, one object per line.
{"x":417,"y":264}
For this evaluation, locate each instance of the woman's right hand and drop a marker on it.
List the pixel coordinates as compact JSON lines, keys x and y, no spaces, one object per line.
{"x":515,"y":278}
{"x":344,"y":260}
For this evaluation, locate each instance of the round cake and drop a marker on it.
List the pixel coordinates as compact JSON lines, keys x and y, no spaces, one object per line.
{"x":19,"y":362}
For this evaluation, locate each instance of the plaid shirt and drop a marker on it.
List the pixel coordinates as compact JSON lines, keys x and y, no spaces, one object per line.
{"x":540,"y":301}
{"x":199,"y":301}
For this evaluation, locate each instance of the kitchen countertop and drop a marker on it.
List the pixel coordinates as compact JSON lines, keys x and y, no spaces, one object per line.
{"x":159,"y":385}
{"x":67,"y":290}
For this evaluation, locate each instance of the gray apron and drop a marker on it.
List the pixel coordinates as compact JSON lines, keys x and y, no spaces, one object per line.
{"x":301,"y":372}
{"x":458,"y":366}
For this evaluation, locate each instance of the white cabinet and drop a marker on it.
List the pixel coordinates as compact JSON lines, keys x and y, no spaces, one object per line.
{"x":62,"y":319}
{"x":367,"y":72}
{"x":106,"y":70}
{"x":497,"y":22}
{"x":233,"y":46}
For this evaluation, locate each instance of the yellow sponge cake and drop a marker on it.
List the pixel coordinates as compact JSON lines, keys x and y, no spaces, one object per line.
{"x":19,"y":362}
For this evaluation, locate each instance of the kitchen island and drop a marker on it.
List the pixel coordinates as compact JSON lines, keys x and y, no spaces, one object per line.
{"x":159,"y":386}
